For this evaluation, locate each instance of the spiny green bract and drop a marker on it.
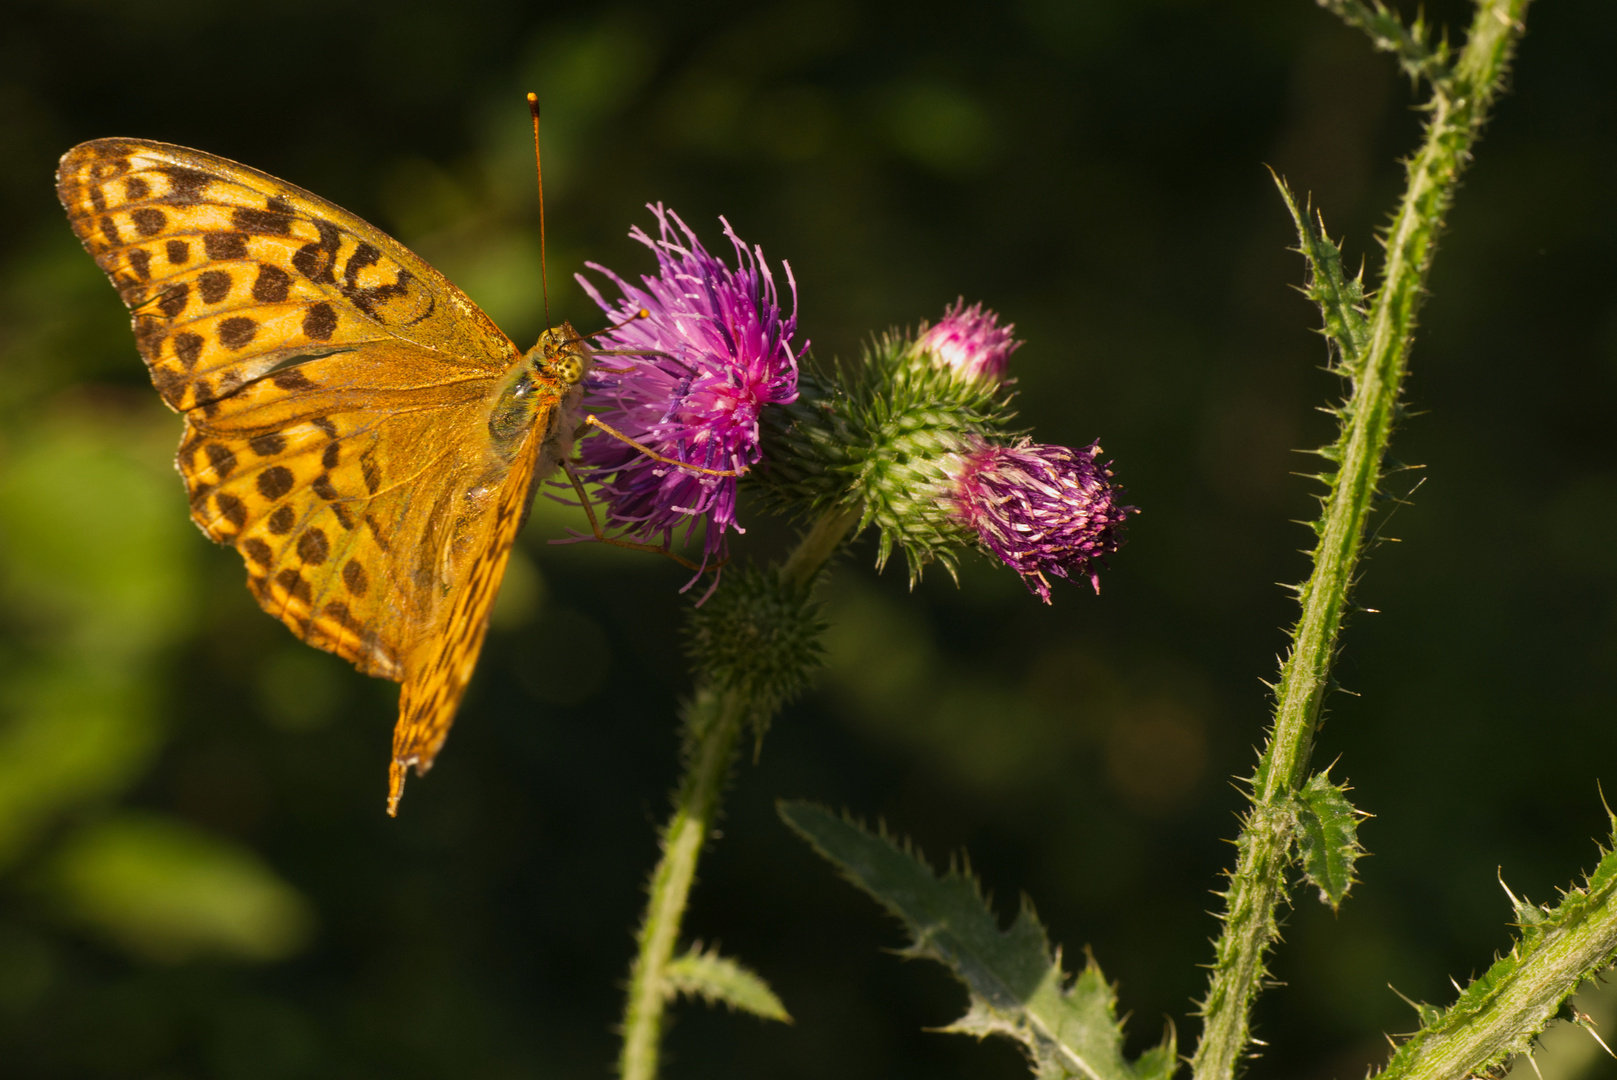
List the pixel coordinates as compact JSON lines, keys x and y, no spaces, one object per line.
{"x":1017,"y":987}
{"x":758,"y":637}
{"x":881,"y":432}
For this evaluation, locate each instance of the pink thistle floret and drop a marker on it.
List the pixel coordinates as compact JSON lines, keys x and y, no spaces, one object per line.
{"x":971,"y":341}
{"x":688,"y":381}
{"x":1041,"y":510}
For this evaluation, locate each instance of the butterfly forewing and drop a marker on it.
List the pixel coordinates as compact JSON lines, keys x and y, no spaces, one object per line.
{"x":229,"y":271}
{"x":337,"y":392}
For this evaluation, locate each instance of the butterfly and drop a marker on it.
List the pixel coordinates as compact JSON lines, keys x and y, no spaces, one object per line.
{"x":355,"y":426}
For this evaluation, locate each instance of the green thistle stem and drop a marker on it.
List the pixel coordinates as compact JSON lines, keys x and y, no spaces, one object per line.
{"x":713,"y":726}
{"x":1502,"y":1011}
{"x":1459,"y":104}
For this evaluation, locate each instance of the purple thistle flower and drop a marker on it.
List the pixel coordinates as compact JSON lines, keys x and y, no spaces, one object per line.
{"x":971,"y":341}
{"x":715,"y":349}
{"x":1041,"y":509}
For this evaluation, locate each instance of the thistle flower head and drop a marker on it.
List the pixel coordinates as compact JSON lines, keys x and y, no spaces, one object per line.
{"x":971,"y":342}
{"x":1041,"y":510}
{"x":688,"y":381}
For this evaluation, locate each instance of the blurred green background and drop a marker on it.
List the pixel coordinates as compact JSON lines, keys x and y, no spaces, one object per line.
{"x":196,"y":876}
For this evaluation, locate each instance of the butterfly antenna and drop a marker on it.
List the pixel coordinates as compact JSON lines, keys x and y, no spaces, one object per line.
{"x":544,"y":276}
{"x":641,"y":314}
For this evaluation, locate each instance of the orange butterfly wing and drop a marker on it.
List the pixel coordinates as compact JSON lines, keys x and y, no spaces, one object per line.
{"x":337,"y":392}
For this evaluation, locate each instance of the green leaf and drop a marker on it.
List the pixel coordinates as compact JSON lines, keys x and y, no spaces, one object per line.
{"x":1411,"y":44}
{"x":1340,"y":298}
{"x":715,"y":979}
{"x":1017,"y":987}
{"x":1328,"y":836}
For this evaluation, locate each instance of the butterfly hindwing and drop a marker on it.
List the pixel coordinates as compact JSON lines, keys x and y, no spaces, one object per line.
{"x":339,"y":496}
{"x":441,"y":667}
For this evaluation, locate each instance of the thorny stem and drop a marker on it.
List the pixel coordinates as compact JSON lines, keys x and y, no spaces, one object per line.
{"x":1502,"y":1010}
{"x":1458,"y":106}
{"x":712,"y":729}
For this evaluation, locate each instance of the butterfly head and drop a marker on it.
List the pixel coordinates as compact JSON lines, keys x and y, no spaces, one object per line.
{"x":561,"y":355}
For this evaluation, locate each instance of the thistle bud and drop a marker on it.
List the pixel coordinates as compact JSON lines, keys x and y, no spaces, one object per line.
{"x":1041,"y":510}
{"x":970,"y":343}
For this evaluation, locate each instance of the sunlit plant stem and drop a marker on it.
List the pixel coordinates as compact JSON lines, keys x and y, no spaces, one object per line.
{"x":1375,"y":363}
{"x":714,"y":722}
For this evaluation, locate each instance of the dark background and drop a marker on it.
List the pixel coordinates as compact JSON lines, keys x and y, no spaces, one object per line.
{"x":196,"y":877}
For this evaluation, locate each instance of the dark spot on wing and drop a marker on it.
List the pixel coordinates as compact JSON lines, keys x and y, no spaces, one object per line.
{"x":214,"y":285}
{"x":247,"y":219}
{"x":281,"y":522}
{"x":231,"y":508}
{"x":293,"y":582}
{"x":220,"y":457}
{"x":258,"y":551}
{"x":331,"y":455}
{"x":366,"y":298}
{"x":268,"y":445}
{"x":225,"y":245}
{"x":136,"y":189}
{"x":237,"y":331}
{"x":169,"y":383}
{"x":353,"y":576}
{"x":316,"y":260}
{"x":292,"y":379}
{"x":178,"y":252}
{"x":140,"y":261}
{"x":173,"y":301}
{"x":188,"y":347}
{"x":313,"y":548}
{"x":373,"y":475}
{"x":149,"y":220}
{"x":150,"y":333}
{"x":376,"y":531}
{"x":272,"y":285}
{"x":322,"y":487}
{"x":187,"y":185}
{"x":320,"y":321}
{"x":275,"y":481}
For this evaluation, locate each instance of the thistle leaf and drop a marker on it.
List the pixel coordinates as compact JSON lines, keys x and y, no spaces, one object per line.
{"x":1340,"y":298}
{"x":1411,"y":44}
{"x":1328,"y":837}
{"x":718,"y":979}
{"x":1016,"y":985}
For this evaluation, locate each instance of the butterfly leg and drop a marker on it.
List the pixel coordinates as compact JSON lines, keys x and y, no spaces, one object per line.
{"x":595,"y":525}
{"x":595,"y":421}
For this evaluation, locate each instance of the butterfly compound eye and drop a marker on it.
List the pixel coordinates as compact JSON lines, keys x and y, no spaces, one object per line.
{"x":570,"y":369}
